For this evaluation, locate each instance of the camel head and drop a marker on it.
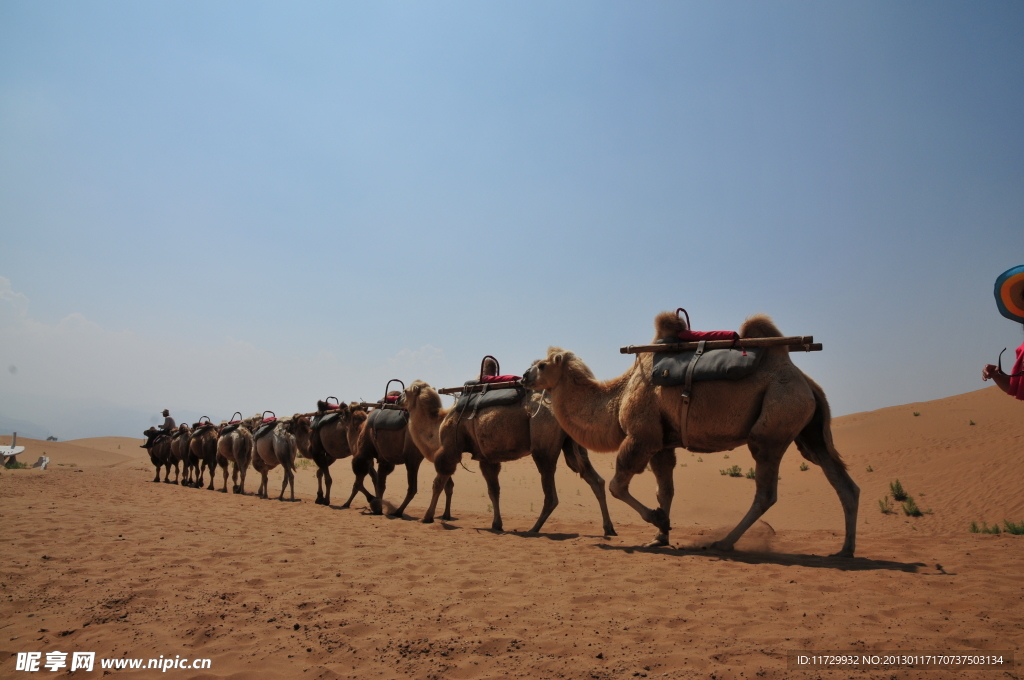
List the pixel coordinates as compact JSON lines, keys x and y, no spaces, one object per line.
{"x":546,"y":373}
{"x":298,"y":426}
{"x":420,"y":394}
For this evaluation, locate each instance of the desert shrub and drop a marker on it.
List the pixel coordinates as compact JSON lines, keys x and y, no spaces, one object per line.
{"x":972,"y":422}
{"x":984,"y":528}
{"x":917,"y":413}
{"x":15,"y":465}
{"x":726,"y":456}
{"x":803,"y":467}
{"x":897,"y":490}
{"x":1015,"y":528}
{"x":733,"y":471}
{"x":871,"y":469}
{"x":910,"y":508}
{"x":885,"y":505}
{"x":750,"y":474}
{"x":303,"y":463}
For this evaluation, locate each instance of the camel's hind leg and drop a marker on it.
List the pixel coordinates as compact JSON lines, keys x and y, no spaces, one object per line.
{"x":384,"y":468}
{"x":586,"y":470}
{"x":449,"y":487}
{"x":766,"y":460}
{"x":631,"y":460}
{"x":223,"y":464}
{"x":546,"y":465}
{"x":839,"y":478}
{"x":412,"y":470}
{"x":490,"y":472}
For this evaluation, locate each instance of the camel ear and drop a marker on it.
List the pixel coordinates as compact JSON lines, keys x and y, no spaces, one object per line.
{"x":557,"y":358}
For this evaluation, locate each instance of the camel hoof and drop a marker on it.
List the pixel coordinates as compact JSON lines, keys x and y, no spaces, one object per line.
{"x":719,"y":545}
{"x":427,"y":520}
{"x":610,"y":532}
{"x":344,"y":507}
{"x":447,"y":518}
{"x":497,"y":527}
{"x":843,"y":553}
{"x":660,"y":541}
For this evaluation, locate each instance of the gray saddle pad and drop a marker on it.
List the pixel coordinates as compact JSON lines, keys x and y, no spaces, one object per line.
{"x":474,"y":401}
{"x":715,"y":364}
{"x":228,"y":429}
{"x":264,"y":429}
{"x":387,"y":419}
{"x":321,"y":420}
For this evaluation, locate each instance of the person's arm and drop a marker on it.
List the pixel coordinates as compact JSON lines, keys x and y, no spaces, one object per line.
{"x":992,"y":372}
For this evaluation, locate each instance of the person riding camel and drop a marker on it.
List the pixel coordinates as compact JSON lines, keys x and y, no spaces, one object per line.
{"x":154,"y":432}
{"x":1010,"y":301}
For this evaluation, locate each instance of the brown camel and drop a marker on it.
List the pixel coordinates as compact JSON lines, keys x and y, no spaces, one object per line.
{"x":179,"y":450}
{"x":496,"y":435}
{"x":767,"y":410}
{"x":202,"y":448}
{"x":332,"y":440}
{"x":234,"y":446}
{"x":279,"y":446}
{"x":389,"y":448}
{"x":160,"y":454}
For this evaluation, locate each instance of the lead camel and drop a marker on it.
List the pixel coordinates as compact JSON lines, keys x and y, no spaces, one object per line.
{"x":767,"y":410}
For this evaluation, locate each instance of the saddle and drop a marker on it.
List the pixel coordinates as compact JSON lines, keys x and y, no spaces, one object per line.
{"x":266,"y":426}
{"x":671,"y":368}
{"x":474,"y":401}
{"x":389,"y":418}
{"x":232,"y":424}
{"x":321,"y":419}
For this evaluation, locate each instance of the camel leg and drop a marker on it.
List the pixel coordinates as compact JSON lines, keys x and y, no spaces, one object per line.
{"x":412,"y":471}
{"x":846,"y":488}
{"x":766,"y":461}
{"x":319,"y":485}
{"x":177,"y":473}
{"x":223,"y":463}
{"x":546,"y":465}
{"x":490,"y":472}
{"x":157,"y":478}
{"x":384,"y":468}
{"x":449,"y":486}
{"x":445,"y":462}
{"x":631,"y":461}
{"x":596,"y":482}
{"x":328,"y":482}
{"x":361,"y":467}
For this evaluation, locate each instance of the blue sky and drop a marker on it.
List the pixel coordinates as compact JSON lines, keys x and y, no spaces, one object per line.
{"x":245,"y":206}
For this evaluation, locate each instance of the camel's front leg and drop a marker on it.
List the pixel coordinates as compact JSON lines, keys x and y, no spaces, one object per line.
{"x":596,"y":482}
{"x":362,"y":466}
{"x":490,"y":472}
{"x":546,"y":465}
{"x":766,"y":470}
{"x":631,"y":460}
{"x":412,"y":470}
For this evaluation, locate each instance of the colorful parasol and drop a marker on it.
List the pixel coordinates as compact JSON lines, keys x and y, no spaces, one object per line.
{"x":1010,"y":294}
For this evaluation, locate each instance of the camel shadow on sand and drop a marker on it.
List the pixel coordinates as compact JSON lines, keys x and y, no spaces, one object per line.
{"x":782,"y":559}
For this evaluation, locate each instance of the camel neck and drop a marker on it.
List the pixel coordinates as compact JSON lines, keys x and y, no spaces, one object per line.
{"x":587,"y":410}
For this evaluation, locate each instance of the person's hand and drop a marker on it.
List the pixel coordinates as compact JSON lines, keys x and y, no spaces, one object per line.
{"x":990,"y":371}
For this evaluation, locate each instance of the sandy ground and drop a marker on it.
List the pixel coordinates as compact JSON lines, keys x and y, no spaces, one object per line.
{"x":98,"y":558}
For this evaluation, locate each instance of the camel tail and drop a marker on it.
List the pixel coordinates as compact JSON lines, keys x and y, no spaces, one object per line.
{"x":816,"y":437}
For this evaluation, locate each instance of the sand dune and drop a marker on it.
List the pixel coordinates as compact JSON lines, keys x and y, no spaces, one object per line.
{"x":100,"y":559}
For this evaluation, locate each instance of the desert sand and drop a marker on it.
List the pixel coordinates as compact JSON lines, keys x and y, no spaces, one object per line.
{"x":98,"y":558}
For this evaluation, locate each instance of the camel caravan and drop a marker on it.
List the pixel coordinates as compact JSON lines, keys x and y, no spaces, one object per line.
{"x":704,"y":392}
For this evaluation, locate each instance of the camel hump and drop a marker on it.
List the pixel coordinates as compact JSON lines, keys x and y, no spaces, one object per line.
{"x":669,"y":325}
{"x":759,"y":326}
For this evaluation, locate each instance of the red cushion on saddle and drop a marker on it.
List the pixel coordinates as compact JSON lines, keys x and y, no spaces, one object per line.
{"x":697,"y":336}
{"x":234,"y":422}
{"x":391,"y":399}
{"x":267,"y":420}
{"x":499,"y":378}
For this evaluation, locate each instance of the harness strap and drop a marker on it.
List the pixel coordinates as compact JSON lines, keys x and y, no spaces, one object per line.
{"x":684,"y":409}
